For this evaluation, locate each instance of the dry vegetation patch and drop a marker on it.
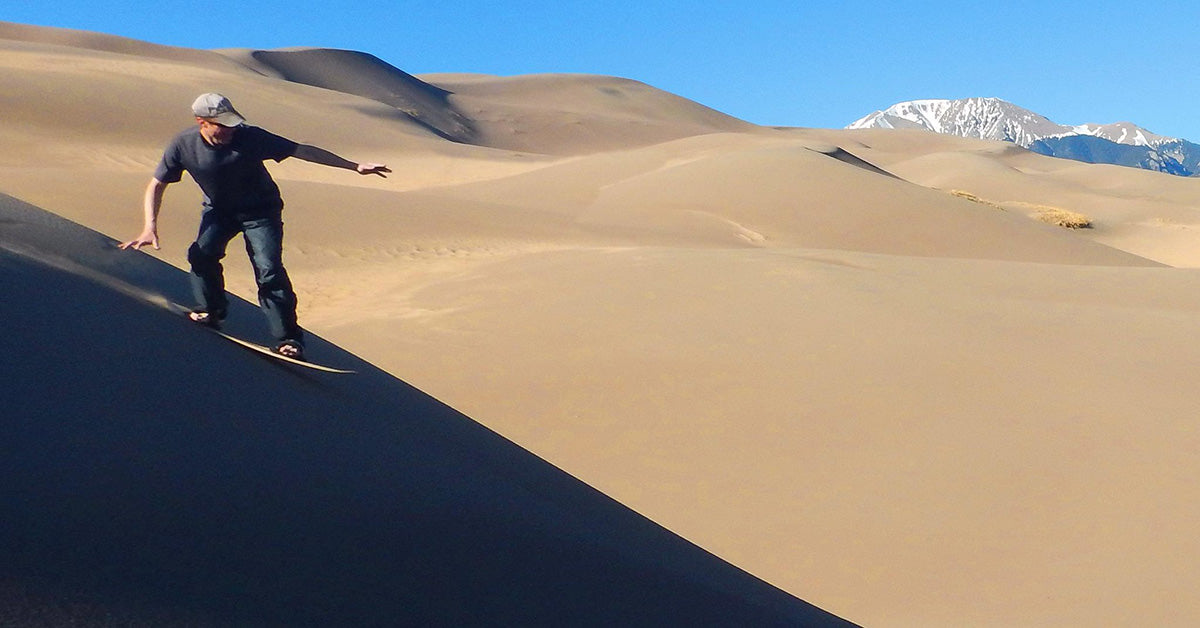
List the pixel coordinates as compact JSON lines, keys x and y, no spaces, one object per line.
{"x":1062,"y":217}
{"x":1045,"y":213}
{"x":975,"y":199}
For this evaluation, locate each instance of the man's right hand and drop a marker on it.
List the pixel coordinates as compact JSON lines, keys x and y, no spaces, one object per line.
{"x":149,"y":236}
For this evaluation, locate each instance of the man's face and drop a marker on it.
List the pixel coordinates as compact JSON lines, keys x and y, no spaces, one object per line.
{"x":214,"y":133}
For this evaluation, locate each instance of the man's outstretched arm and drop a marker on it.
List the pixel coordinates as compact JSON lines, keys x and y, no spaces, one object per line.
{"x":151,"y":204}
{"x":325,"y":158}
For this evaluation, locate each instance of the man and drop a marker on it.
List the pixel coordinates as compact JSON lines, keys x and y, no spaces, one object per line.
{"x":225,"y":157}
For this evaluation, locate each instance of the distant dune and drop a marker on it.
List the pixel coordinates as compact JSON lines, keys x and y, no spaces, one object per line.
{"x":848,"y":367}
{"x":363,"y":75}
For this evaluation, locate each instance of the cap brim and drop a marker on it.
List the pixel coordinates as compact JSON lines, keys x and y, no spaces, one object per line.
{"x":229,"y":118}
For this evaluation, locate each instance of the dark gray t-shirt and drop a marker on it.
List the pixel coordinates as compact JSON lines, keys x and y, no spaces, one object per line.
{"x":233,"y":178}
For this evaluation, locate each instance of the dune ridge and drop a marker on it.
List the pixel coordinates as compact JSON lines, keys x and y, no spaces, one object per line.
{"x":363,"y":75}
{"x":851,"y":363}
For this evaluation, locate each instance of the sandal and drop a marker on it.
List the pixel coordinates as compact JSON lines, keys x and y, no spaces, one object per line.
{"x":290,"y":349}
{"x":207,"y":319}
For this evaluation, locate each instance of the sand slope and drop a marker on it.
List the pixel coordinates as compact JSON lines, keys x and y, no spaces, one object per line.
{"x":1151,"y":216}
{"x":155,"y":473}
{"x":807,"y":351}
{"x":363,"y":75}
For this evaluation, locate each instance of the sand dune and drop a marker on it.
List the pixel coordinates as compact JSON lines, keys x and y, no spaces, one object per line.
{"x":363,"y":75}
{"x":573,"y":114}
{"x":852,"y":363}
{"x":41,"y":36}
{"x":155,"y":473}
{"x":1150,"y":216}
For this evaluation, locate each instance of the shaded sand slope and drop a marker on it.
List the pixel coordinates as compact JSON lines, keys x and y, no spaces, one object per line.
{"x":363,"y":75}
{"x":557,"y":114}
{"x":153,"y":472}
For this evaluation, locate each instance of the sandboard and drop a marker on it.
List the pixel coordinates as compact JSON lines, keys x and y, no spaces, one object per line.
{"x":269,"y":353}
{"x":183,"y":311}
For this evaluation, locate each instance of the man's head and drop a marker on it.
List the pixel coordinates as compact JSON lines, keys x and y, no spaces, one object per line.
{"x":217,"y":118}
{"x":217,"y":108}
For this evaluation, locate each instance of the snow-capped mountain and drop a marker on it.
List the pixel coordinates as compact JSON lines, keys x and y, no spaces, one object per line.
{"x":1120,"y":143}
{"x":982,"y":118}
{"x":1122,"y":133}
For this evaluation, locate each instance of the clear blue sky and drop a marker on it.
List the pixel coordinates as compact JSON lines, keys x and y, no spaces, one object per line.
{"x":795,"y":63}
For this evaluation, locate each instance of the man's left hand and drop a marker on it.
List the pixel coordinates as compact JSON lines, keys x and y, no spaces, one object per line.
{"x":378,"y":169}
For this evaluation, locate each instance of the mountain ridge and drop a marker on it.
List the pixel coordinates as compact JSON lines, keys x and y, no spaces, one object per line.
{"x":1118,"y":143}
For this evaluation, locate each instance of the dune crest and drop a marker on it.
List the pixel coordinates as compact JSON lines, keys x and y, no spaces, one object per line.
{"x":363,"y":75}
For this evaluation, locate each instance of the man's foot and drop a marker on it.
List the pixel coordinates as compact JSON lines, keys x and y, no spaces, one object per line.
{"x":205,"y":318}
{"x":290,"y":349}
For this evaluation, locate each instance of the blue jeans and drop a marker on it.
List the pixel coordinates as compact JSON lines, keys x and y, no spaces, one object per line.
{"x":264,"y":245}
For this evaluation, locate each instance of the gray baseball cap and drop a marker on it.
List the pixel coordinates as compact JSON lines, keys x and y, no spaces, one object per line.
{"x":217,"y":108}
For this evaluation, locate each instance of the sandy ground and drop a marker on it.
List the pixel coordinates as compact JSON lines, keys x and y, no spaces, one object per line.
{"x":852,"y":363}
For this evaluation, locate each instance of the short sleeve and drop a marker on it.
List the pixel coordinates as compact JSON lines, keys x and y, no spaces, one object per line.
{"x":170,"y":167}
{"x":271,"y":146}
